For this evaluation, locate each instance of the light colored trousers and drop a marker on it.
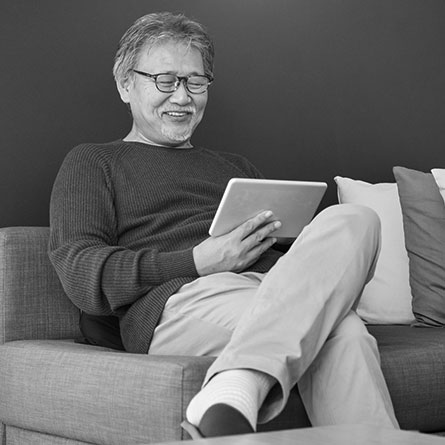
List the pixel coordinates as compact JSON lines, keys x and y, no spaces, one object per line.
{"x":296,"y":323}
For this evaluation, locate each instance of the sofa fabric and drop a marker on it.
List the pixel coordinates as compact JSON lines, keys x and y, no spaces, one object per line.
{"x":32,"y":301}
{"x":92,"y":396}
{"x":413,"y":363}
{"x":18,"y":436}
{"x":54,"y":391}
{"x":95,"y":395}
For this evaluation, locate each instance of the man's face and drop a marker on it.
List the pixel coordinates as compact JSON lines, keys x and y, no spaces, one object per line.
{"x":166,"y":119}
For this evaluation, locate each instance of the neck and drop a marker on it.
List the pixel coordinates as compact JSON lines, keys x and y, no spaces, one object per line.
{"x":136,"y":136}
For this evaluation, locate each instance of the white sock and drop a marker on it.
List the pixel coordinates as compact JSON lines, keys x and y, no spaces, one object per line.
{"x":242,"y":389}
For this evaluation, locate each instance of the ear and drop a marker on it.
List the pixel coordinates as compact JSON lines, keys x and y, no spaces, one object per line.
{"x":124,"y":88}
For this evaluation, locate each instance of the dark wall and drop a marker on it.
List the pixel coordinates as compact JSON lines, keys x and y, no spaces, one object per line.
{"x":307,"y":89}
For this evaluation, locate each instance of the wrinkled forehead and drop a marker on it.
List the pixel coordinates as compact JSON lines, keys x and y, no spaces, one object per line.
{"x":183,"y":45}
{"x":169,"y":52}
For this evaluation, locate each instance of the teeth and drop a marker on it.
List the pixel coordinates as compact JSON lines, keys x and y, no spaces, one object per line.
{"x":176,"y":113}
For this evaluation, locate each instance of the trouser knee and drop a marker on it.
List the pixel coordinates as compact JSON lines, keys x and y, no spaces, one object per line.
{"x":356,"y":221}
{"x":356,"y":217}
{"x":352,"y":332}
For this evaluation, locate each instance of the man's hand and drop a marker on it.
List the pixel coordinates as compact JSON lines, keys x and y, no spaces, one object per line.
{"x":238,"y":249}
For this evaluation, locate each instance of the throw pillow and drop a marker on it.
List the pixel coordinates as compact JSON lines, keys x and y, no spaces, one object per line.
{"x":424,"y":222}
{"x":100,"y":331}
{"x":439,"y":176}
{"x":386,"y":299}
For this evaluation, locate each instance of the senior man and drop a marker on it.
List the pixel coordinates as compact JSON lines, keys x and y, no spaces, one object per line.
{"x":129,"y":237}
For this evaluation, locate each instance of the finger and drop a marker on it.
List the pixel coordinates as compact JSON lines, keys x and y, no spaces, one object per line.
{"x":259,"y":249}
{"x":252,"y":255}
{"x":254,"y":223}
{"x":261,"y":234}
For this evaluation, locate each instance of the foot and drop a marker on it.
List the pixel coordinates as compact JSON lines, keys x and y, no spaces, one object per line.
{"x":240,"y":391}
{"x":223,"y":420}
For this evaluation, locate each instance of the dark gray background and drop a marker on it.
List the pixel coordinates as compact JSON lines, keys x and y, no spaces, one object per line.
{"x":307,"y":89}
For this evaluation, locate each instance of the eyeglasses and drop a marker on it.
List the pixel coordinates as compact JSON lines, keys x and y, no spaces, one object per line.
{"x":169,"y":83}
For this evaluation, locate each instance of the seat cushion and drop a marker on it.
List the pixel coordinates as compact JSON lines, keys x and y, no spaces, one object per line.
{"x":413,"y":363}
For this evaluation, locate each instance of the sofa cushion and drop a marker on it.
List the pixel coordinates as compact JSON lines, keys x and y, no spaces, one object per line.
{"x":424,"y":224}
{"x":32,"y":301}
{"x":413,"y":363}
{"x":100,"y":331}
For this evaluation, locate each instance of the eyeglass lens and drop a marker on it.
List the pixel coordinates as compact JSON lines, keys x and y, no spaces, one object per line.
{"x":169,"y":83}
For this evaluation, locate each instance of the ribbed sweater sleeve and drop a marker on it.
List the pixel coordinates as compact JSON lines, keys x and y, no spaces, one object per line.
{"x":98,"y":274}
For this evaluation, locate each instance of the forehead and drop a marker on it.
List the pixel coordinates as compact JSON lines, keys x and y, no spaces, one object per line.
{"x":171,"y":57}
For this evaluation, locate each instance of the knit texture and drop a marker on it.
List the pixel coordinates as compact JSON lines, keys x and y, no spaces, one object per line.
{"x":124,"y":219}
{"x":242,"y":389}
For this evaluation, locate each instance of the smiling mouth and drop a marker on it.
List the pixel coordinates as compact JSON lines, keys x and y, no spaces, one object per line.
{"x":177,"y":114}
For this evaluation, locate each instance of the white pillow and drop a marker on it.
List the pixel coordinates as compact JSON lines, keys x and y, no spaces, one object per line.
{"x":386,"y":299}
{"x":439,"y":177}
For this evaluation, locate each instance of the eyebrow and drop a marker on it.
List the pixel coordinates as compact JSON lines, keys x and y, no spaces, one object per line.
{"x":175,"y":73}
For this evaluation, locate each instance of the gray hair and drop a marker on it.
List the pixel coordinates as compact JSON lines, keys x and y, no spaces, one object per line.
{"x":159,"y":27}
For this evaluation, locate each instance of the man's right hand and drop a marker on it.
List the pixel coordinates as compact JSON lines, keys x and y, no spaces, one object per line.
{"x":238,"y":249}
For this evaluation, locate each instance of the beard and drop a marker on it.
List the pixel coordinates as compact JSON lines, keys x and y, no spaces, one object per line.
{"x":177,"y":135}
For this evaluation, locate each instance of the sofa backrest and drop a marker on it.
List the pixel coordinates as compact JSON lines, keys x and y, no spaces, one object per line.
{"x":33,"y":304}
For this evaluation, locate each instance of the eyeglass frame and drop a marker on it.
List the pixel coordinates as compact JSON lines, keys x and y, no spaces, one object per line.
{"x":179,"y":79}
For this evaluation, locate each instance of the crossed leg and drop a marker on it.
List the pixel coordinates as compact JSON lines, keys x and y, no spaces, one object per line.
{"x":294,"y":324}
{"x":344,"y":384}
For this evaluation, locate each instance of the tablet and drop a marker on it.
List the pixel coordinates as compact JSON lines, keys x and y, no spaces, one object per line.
{"x":294,"y":203}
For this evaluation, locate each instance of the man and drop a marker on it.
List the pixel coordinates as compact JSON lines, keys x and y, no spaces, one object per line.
{"x":129,"y":223}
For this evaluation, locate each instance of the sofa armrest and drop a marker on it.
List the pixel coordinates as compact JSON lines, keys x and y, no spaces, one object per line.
{"x":94,"y":395}
{"x":33,"y":304}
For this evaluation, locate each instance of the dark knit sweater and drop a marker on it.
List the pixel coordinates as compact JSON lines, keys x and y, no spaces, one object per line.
{"x":124,"y":219}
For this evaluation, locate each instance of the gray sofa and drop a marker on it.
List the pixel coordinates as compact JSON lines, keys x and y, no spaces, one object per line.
{"x":56,"y":391}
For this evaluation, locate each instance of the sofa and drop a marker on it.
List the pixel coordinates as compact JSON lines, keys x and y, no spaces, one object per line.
{"x":55,"y":390}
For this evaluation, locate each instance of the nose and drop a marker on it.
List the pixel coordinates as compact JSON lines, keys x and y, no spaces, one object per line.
{"x":181,"y":95}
